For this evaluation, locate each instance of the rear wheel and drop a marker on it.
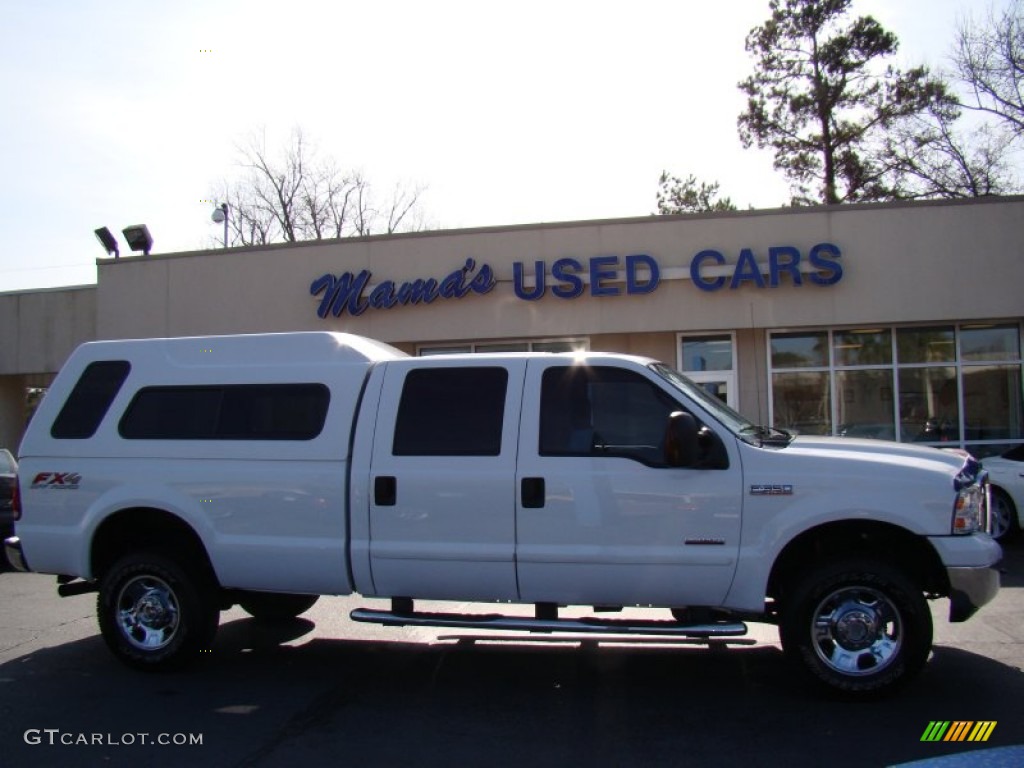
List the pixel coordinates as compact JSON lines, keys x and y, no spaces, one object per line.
{"x":155,"y":614}
{"x":273,"y":606}
{"x":858,"y":627}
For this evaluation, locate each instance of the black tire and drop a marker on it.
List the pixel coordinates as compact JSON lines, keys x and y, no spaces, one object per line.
{"x":1004,"y":516}
{"x":155,"y":614}
{"x":274,"y":606}
{"x":858,"y":627}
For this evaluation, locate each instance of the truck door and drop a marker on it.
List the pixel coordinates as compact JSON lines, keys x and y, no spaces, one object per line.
{"x":602,"y":519}
{"x":442,"y":480}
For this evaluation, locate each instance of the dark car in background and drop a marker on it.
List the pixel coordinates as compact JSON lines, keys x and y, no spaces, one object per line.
{"x":8,"y":483}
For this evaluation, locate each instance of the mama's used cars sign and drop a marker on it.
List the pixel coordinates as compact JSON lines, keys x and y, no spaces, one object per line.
{"x":568,"y":278}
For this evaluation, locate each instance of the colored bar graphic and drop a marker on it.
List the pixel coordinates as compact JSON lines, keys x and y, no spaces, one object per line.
{"x":959,"y":730}
{"x":982,"y":730}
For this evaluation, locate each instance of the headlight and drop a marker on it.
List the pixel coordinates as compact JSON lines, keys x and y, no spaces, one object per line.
{"x":970,"y":512}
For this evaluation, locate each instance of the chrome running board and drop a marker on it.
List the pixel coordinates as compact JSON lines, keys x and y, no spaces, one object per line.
{"x":528,"y":624}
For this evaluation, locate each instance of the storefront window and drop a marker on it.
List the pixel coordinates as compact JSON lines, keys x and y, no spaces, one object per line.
{"x":992,"y":402}
{"x":548,"y":345}
{"x":959,"y":385}
{"x":864,"y":404}
{"x":862,"y":347}
{"x":799,"y":350}
{"x":706,"y":353}
{"x":929,"y":405}
{"x":925,"y":345}
{"x":802,"y":402}
{"x":989,"y":342}
{"x":708,"y":361}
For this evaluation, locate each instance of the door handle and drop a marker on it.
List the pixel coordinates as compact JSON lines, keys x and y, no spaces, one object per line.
{"x":531,"y":492}
{"x":385,"y":491}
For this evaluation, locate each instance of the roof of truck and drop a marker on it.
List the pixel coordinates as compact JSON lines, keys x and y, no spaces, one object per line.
{"x":248,"y":349}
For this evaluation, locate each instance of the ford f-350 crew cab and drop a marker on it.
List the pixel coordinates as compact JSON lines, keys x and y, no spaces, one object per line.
{"x":178,"y":477}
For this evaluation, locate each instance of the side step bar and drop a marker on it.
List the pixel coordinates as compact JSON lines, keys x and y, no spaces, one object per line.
{"x":527,"y":624}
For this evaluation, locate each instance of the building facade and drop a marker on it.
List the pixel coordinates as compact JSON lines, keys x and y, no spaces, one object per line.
{"x":896,"y":321}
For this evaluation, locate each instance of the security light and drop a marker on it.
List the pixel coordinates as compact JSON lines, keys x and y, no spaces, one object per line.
{"x":138,"y":238}
{"x":108,"y":241}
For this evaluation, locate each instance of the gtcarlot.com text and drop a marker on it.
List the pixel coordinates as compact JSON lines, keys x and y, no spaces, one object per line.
{"x":56,"y":737}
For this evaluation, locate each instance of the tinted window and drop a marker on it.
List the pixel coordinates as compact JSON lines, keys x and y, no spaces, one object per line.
{"x":227,"y":412}
{"x":451,"y":412}
{"x":602,"y":411}
{"x":90,"y":399}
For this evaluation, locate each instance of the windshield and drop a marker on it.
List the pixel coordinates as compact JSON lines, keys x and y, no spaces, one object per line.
{"x":735,"y":422}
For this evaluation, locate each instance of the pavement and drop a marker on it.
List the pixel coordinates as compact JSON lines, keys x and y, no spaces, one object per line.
{"x":323,"y":690}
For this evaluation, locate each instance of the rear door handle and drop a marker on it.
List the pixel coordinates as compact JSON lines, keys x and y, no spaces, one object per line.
{"x":531,"y":492}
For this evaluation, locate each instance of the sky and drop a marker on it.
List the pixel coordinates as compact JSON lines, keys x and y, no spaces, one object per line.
{"x":124,"y":112}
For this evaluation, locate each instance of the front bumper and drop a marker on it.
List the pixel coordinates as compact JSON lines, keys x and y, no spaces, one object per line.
{"x":972,"y":567}
{"x":16,"y":558}
{"x":969,"y":589}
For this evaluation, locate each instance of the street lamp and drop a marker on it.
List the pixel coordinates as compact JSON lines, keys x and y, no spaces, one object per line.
{"x":220,"y":214}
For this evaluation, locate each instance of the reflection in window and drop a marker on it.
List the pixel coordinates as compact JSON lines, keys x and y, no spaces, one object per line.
{"x":864,"y":402}
{"x":925,"y":345}
{"x":801,"y":402}
{"x":706,"y":353}
{"x":990,"y":342}
{"x":863,"y":347}
{"x":992,"y":402}
{"x":799,"y":350}
{"x":929,"y":405}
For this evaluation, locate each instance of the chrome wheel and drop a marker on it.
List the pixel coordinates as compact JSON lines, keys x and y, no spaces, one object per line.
{"x":147,"y":613}
{"x":1003,"y":514}
{"x":857,"y":631}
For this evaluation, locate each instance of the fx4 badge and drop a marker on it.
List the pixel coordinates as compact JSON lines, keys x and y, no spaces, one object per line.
{"x":62,"y":481}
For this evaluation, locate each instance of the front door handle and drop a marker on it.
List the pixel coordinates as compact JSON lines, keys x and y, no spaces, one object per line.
{"x":531,"y":492}
{"x":385,"y":491}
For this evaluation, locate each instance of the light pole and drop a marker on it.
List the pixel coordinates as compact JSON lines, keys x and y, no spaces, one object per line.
{"x":220,"y":214}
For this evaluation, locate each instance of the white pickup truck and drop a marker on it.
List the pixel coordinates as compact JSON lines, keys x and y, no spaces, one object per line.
{"x":178,"y":477}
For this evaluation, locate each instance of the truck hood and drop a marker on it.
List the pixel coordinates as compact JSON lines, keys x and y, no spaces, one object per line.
{"x":826,"y":478}
{"x":884,"y":451}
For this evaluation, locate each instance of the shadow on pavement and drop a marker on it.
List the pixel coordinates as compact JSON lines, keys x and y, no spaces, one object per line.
{"x":259,"y":702}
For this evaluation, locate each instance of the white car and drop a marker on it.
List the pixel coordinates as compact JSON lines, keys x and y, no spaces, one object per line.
{"x":1006,"y":474}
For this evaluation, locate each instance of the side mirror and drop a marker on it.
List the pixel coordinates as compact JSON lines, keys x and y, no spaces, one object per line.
{"x":682,"y":446}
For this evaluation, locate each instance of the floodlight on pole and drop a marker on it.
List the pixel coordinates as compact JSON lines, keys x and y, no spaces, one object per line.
{"x":107,"y":241}
{"x":138,"y":238}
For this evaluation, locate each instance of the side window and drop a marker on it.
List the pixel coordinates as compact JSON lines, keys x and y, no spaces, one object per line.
{"x":228,"y":412}
{"x":90,"y":399}
{"x":451,"y":412}
{"x":602,"y":411}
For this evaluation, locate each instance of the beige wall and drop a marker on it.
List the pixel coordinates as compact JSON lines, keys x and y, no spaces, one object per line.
{"x":41,"y":328}
{"x":906,"y":263}
{"x":902,"y":263}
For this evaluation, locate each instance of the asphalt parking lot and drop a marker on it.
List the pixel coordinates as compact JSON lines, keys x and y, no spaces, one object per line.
{"x":325,"y":691}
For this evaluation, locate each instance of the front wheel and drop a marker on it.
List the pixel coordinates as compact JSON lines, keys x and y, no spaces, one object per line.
{"x":858,"y":627}
{"x":153,"y":613}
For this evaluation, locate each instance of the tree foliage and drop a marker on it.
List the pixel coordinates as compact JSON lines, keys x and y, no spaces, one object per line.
{"x":929,"y":157}
{"x":989,"y":59}
{"x":687,"y":195}
{"x":297,"y":195}
{"x":820,"y":98}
